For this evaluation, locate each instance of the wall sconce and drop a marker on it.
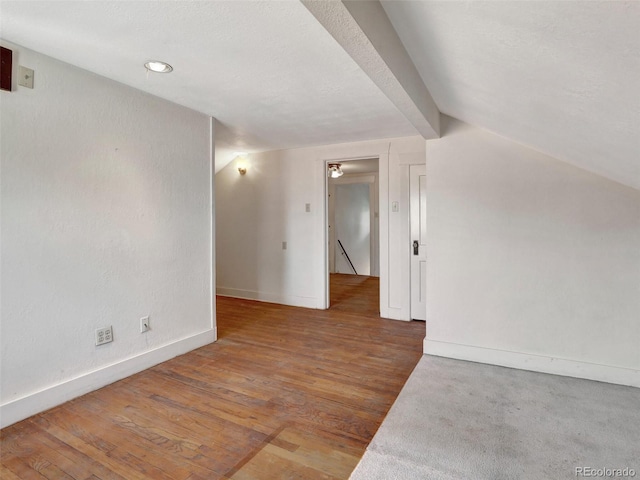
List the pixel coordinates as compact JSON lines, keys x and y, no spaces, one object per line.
{"x":241,"y":162}
{"x":334,"y":170}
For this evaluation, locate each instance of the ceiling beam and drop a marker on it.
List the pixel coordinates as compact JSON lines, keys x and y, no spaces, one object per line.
{"x":363,"y":29}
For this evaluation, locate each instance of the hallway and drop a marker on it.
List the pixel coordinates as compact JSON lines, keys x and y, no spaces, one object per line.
{"x":355,"y":293}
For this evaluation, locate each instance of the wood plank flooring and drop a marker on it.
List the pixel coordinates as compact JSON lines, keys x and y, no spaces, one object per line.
{"x":355,"y":293}
{"x":285,"y":393}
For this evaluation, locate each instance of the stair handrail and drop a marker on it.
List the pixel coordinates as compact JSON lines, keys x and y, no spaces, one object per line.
{"x":344,"y":252}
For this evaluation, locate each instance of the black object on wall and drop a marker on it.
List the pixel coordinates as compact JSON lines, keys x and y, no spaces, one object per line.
{"x":6,"y":61}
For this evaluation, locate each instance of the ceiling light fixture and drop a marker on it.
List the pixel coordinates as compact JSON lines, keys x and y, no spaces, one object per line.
{"x":158,"y":67}
{"x":335,"y":170}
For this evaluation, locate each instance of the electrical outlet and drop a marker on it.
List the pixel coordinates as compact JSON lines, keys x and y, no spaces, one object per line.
{"x":284,"y":245}
{"x":145,"y":325}
{"x":104,"y":335}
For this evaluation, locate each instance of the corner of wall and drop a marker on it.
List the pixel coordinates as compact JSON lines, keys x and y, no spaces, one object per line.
{"x":49,"y":397}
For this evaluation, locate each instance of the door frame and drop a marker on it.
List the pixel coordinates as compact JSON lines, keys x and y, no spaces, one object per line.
{"x":368,"y":179}
{"x":325,"y":163}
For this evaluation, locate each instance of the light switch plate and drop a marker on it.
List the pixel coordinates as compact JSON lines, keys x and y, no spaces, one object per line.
{"x":25,"y":77}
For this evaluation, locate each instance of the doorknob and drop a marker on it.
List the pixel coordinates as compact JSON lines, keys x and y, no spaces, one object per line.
{"x":416,"y":246}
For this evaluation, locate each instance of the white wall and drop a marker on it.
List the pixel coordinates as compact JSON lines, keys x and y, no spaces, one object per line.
{"x":258,"y":211}
{"x":532,"y":263}
{"x":106,"y":217}
{"x":353,"y":228}
{"x":373,"y":249}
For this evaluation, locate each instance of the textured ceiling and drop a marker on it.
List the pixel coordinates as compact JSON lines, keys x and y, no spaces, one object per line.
{"x":267,"y":71}
{"x":562,"y":77}
{"x":559,"y":76}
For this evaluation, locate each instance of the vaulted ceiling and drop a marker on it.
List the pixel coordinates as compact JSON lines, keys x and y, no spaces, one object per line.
{"x":558,"y":76}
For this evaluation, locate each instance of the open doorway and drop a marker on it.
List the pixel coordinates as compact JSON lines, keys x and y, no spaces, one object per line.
{"x":353,"y":236}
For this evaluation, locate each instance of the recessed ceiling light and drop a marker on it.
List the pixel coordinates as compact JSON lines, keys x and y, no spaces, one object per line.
{"x":158,"y":67}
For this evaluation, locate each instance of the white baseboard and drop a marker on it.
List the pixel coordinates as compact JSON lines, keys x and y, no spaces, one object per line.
{"x":21,"y":408}
{"x":534,"y":363}
{"x":292,"y":300}
{"x":393,"y":313}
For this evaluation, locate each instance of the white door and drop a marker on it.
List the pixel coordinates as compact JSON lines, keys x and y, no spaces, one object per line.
{"x":418,"y":194}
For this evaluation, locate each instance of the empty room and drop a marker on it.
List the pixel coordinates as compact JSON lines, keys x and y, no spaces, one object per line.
{"x":365,"y":239}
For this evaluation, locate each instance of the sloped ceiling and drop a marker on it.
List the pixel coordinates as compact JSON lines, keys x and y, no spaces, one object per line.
{"x":267,"y":71}
{"x":559,"y":76}
{"x":562,"y":77}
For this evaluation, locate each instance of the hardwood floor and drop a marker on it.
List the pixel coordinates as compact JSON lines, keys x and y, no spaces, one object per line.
{"x":285,"y":393}
{"x":354,"y":293}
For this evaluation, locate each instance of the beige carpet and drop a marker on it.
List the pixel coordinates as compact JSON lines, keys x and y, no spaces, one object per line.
{"x":463,"y":420}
